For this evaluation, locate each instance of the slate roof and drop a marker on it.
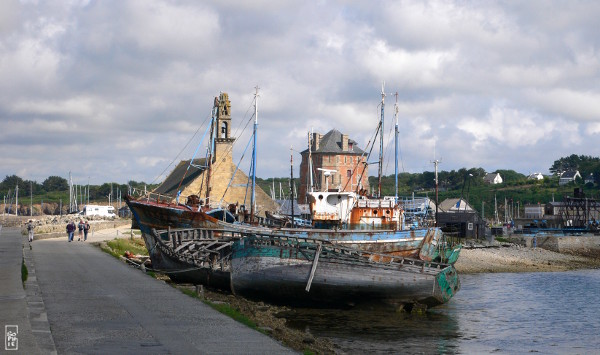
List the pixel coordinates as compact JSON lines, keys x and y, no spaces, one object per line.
{"x":169,"y":186}
{"x":299,"y":209}
{"x":449,"y":205}
{"x":331,"y":142}
{"x":569,"y":174}
{"x":489,"y":177}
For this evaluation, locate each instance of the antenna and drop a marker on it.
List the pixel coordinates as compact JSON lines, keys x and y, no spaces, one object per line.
{"x":327,"y":173}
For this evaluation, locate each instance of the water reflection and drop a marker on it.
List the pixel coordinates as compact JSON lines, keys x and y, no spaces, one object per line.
{"x":500,"y":313}
{"x":379,"y":329}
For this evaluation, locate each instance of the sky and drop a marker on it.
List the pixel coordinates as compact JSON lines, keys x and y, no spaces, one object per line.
{"x":114,"y":91}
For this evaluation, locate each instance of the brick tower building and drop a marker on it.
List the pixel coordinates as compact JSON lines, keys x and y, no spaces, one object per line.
{"x":341,"y":161}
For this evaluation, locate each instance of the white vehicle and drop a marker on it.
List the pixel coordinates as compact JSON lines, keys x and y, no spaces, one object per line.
{"x":95,"y":210}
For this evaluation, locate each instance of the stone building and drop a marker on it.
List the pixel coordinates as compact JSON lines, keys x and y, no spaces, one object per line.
{"x":337,"y":164}
{"x":191,"y":179}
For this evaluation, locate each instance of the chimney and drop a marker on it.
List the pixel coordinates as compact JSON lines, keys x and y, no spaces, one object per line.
{"x":316,"y":141}
{"x":344,"y":142}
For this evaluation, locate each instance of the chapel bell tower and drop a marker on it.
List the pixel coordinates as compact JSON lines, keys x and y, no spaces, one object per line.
{"x":223,"y":140}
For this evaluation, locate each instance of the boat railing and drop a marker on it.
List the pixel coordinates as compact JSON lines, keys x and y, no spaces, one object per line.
{"x":377,"y":203}
{"x":164,"y":198}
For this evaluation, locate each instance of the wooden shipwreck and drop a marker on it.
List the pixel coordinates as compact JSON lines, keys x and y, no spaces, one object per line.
{"x":285,"y":269}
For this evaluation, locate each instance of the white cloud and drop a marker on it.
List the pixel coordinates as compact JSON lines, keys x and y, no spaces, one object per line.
{"x":486,"y":83}
{"x":508,"y":126}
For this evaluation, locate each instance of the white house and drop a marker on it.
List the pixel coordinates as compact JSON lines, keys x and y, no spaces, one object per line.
{"x":535,"y":176}
{"x":492,"y":178}
{"x":568,"y":176}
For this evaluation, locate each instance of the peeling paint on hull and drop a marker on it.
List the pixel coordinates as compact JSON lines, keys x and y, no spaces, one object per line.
{"x":280,"y":272}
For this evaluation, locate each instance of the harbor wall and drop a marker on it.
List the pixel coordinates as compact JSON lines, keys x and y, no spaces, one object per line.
{"x":585,"y":245}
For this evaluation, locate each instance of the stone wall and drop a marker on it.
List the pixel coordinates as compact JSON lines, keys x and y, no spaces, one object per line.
{"x":585,"y":245}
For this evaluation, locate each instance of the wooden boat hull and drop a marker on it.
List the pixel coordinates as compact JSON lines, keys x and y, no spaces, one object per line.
{"x":168,"y":260}
{"x":160,"y":215}
{"x":280,"y":271}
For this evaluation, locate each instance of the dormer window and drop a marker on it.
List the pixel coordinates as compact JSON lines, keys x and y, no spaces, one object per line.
{"x":350,"y":145}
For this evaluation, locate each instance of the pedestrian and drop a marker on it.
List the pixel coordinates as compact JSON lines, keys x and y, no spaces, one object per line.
{"x":71,"y":230}
{"x":30,"y":227}
{"x":80,"y":227}
{"x":86,"y":228}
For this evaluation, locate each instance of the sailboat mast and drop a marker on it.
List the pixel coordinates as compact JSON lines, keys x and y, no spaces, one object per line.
{"x":310,"y":168}
{"x":211,"y":149}
{"x":396,"y":151}
{"x":253,"y":196}
{"x":380,"y":172}
{"x":292,"y":183}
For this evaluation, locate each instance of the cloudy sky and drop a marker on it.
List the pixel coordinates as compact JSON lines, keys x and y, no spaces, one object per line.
{"x":116,"y":90}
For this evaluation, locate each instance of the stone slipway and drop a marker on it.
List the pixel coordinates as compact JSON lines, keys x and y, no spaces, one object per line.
{"x":94,"y":303}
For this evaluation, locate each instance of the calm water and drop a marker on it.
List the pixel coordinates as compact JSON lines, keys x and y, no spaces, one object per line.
{"x":546,"y":313}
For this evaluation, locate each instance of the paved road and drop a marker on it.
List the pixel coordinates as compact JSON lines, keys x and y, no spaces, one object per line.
{"x":14,"y":311}
{"x":97,"y":304}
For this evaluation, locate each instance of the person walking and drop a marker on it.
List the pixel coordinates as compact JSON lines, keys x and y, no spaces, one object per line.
{"x":71,"y":230}
{"x":80,"y":227}
{"x":86,"y":228}
{"x":30,"y":228}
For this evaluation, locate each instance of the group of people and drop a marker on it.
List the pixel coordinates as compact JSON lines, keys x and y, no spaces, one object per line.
{"x":83,"y":228}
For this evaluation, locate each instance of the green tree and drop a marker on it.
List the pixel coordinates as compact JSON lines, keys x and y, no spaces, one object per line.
{"x":572,"y":162}
{"x":55,"y":183}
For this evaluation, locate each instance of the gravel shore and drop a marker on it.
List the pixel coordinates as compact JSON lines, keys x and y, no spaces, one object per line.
{"x":515,"y":258}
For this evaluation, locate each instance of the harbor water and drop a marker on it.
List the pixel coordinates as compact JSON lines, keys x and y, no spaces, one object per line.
{"x":508,"y":313}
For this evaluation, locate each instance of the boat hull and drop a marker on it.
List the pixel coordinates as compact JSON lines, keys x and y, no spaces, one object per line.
{"x":281,"y":273}
{"x":166,"y":260}
{"x":159,"y":215}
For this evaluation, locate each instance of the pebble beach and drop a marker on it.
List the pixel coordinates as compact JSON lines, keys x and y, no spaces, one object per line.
{"x":515,"y":258}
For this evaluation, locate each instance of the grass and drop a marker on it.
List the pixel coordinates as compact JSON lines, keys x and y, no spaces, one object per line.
{"x":503,"y":240}
{"x":227,"y":310}
{"x":24,"y":272}
{"x":118,"y":246}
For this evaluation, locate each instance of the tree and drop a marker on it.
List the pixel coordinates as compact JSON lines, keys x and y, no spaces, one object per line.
{"x":572,"y":162}
{"x":55,"y":183}
{"x":10,"y":182}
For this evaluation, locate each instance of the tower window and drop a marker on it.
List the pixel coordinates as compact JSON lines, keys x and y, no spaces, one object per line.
{"x":224,"y":130}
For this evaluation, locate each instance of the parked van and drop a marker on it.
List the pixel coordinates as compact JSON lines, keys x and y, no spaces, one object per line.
{"x":95,"y":210}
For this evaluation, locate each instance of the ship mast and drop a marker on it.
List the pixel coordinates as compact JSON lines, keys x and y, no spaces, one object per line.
{"x":310,"y":167}
{"x":396,"y":151}
{"x":210,"y":149}
{"x":253,"y":197}
{"x":380,"y":172}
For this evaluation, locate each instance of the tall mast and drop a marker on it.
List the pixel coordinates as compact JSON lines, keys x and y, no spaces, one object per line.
{"x":435,"y":163}
{"x":253,"y":201}
{"x":211,"y":148}
{"x":292,"y":183}
{"x":17,"y":200}
{"x":310,"y":177}
{"x":396,"y":151}
{"x":380,"y":172}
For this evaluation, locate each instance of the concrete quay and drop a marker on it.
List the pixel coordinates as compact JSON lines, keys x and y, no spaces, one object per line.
{"x":80,"y":300}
